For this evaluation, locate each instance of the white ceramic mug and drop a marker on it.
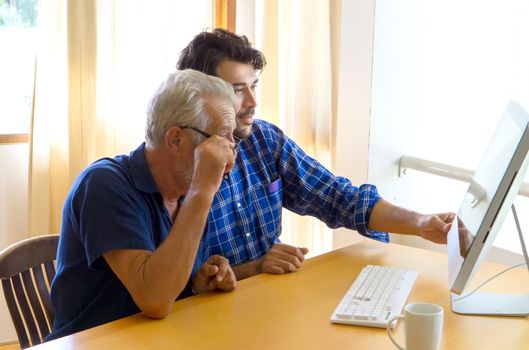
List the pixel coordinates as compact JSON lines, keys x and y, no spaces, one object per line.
{"x":423,"y":326}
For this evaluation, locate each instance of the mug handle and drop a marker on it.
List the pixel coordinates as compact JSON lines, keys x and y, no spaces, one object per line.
{"x":388,"y":329}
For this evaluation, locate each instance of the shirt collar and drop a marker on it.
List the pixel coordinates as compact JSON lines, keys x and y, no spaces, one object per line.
{"x":141,"y":174}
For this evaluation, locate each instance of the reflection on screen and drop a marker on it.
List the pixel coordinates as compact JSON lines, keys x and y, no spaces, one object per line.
{"x":466,"y":237}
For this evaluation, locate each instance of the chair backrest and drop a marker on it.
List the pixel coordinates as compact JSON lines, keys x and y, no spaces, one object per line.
{"x":26,"y":270}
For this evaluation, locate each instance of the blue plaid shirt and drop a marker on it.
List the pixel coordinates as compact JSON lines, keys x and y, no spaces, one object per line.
{"x":272,"y":172}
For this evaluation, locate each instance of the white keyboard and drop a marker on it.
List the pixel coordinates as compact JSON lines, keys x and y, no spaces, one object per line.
{"x":378,"y":293}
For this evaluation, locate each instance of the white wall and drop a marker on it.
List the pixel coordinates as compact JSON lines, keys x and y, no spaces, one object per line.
{"x":442,"y":75}
{"x":13,"y":213}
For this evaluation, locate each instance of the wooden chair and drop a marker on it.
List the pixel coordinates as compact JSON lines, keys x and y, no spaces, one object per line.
{"x":26,"y":270}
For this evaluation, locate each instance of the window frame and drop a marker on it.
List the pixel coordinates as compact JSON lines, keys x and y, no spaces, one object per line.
{"x":224,"y":14}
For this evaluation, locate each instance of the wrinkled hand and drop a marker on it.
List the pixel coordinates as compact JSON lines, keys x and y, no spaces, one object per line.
{"x":214,"y":157}
{"x":283,"y":258}
{"x":435,"y":227}
{"x":215,"y":273}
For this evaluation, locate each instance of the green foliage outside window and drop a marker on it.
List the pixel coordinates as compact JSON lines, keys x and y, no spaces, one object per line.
{"x":18,"y":13}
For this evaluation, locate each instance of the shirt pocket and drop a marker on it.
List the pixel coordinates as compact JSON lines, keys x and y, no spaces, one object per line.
{"x":266,"y":203}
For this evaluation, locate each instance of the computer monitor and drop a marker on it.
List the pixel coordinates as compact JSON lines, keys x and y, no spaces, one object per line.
{"x":482,"y":212}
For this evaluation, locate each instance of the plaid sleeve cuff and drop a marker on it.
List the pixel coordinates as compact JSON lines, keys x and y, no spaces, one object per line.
{"x":365,"y":199}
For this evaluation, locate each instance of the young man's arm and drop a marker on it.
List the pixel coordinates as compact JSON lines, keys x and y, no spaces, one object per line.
{"x":384,"y":217}
{"x":391,"y":218}
{"x":281,"y":258}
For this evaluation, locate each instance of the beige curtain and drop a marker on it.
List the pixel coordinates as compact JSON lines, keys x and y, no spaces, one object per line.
{"x":299,"y":90}
{"x":97,"y":64}
{"x":48,"y":143}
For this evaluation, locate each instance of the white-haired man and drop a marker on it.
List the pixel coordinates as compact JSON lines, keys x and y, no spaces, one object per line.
{"x":129,"y":237}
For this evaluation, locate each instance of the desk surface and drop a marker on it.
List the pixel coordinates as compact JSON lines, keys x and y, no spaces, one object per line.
{"x":292,"y":311}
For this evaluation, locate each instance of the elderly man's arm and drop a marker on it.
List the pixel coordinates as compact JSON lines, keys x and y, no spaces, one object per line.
{"x":155,"y":279}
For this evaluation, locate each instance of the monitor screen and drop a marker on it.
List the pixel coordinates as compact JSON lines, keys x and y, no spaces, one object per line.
{"x":489,"y":196}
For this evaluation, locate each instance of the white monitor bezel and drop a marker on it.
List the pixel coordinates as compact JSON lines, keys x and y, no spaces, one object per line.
{"x":462,"y":270}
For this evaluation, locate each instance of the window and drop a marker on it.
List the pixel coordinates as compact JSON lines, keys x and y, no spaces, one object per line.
{"x":18,"y":23}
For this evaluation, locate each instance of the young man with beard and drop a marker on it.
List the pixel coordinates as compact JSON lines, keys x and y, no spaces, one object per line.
{"x":271,"y":172}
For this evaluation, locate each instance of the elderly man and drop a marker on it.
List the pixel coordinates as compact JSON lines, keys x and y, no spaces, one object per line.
{"x":132,"y":224}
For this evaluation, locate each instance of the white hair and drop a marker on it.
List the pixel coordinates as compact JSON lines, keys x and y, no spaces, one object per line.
{"x":180,"y":100}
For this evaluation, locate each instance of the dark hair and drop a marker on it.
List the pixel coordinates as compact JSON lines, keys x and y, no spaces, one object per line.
{"x":205,"y":52}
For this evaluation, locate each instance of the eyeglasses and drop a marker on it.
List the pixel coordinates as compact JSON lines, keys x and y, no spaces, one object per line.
{"x":237,"y":141}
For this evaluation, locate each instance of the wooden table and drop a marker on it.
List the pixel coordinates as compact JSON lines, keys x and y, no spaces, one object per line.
{"x":292,"y":311}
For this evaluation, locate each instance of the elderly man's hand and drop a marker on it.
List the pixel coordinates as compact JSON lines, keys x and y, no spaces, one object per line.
{"x":213,"y":158}
{"x":215,"y":273}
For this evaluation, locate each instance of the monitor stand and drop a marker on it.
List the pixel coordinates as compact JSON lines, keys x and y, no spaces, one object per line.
{"x":483,"y":303}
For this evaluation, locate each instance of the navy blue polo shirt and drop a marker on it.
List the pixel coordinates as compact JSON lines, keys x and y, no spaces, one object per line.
{"x":113,"y":204}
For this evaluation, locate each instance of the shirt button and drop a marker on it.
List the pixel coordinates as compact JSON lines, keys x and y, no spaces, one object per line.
{"x":248,"y":235}
{"x":238,"y":205}
{"x":225,"y":177}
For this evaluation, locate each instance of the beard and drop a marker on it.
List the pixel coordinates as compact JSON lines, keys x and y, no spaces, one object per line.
{"x":244,"y":122}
